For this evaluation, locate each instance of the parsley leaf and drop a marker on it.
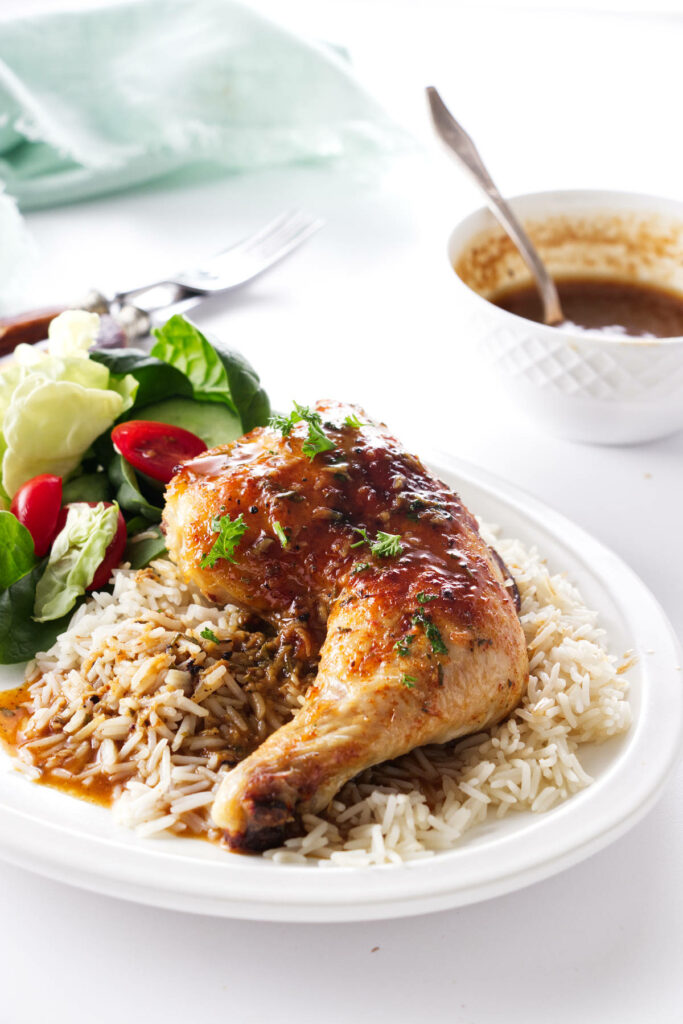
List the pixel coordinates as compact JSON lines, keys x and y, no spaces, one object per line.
{"x":432,"y":632}
{"x":208,"y":634}
{"x":385,"y":545}
{"x":280,"y":534}
{"x":352,"y":421}
{"x":282,"y":423}
{"x":230,"y":534}
{"x":409,"y":681}
{"x":360,"y":567}
{"x":316,"y":441}
{"x":423,"y":598}
{"x":403,"y":645}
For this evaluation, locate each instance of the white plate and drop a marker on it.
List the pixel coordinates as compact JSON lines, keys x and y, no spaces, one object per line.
{"x":67,"y":839}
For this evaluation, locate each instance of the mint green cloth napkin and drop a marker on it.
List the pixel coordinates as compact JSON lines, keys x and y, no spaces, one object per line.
{"x":97,"y":101}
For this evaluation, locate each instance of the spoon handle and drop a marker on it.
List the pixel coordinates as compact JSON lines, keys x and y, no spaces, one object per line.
{"x":459,"y":142}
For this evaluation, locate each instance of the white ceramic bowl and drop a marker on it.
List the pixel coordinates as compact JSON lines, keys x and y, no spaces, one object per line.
{"x":584,"y":387}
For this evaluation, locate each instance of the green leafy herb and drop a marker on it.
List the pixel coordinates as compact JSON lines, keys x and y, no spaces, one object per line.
{"x":408,"y":681}
{"x":403,"y":645}
{"x":208,"y":634}
{"x":282,"y":423}
{"x":20,"y":635}
{"x":420,"y":618}
{"x":385,"y":545}
{"x":360,"y":567}
{"x":352,"y":421}
{"x":16,"y":550}
{"x":230,"y":533}
{"x":124,"y":480}
{"x":316,"y":441}
{"x":423,"y":598}
{"x":87,"y":487}
{"x":280,"y":534}
{"x":156,"y":378}
{"x":216,"y":374}
{"x":145,"y":547}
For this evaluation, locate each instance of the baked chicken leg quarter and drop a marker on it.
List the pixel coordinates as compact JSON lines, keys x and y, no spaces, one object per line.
{"x":419,"y":636}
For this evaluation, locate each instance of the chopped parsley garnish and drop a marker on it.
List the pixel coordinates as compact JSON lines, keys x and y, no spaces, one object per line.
{"x":208,"y":634}
{"x":423,"y":598}
{"x":403,"y":645}
{"x":431,"y":631}
{"x":385,"y":545}
{"x":283,"y":423}
{"x":352,"y":421}
{"x":409,"y":681}
{"x":280,"y":534}
{"x":230,"y":533}
{"x":360,"y":567}
{"x":316,"y":441}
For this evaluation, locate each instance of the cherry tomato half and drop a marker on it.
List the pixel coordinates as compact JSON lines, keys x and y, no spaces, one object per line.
{"x":113,"y":554}
{"x":155,"y":448}
{"x":36,"y":505}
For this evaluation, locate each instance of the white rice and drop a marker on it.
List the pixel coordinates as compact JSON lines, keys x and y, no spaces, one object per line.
{"x":159,"y":733}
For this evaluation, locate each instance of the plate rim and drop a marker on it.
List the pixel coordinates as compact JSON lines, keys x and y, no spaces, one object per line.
{"x":138,"y":872}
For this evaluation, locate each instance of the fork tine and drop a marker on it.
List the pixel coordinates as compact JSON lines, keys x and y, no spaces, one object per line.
{"x":293,"y":241}
{"x":266,"y":230}
{"x":270,"y":244}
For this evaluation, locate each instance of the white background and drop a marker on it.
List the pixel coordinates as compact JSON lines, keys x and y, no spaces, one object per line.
{"x":554,"y":99}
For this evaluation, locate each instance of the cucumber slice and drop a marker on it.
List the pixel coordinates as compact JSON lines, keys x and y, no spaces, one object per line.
{"x":212,"y":421}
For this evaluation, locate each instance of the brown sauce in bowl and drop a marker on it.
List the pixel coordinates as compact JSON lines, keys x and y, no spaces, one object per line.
{"x":607,"y":307}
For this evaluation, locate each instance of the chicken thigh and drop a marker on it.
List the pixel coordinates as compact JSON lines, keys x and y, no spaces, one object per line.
{"x":358,"y":550}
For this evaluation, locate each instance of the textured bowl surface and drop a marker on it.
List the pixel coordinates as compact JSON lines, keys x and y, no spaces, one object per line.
{"x":584,"y":387}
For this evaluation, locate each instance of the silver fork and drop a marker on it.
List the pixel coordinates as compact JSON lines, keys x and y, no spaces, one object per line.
{"x":137,"y":308}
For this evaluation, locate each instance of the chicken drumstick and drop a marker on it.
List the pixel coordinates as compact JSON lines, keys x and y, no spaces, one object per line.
{"x":347,"y":540}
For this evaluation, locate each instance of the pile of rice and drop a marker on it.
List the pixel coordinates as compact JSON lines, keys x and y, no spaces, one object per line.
{"x":135,"y":697}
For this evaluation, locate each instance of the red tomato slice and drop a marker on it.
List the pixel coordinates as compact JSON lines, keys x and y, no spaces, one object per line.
{"x":155,"y":449}
{"x":113,"y":554}
{"x":36,"y":505}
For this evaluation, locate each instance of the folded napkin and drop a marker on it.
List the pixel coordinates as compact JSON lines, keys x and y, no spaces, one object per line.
{"x":97,"y":101}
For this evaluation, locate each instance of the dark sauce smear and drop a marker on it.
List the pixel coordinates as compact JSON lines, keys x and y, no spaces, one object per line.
{"x":606,"y":307}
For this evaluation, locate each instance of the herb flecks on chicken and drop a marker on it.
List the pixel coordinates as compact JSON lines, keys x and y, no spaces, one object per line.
{"x":419,"y":642}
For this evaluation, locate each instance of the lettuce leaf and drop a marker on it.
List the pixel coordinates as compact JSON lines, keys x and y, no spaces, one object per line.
{"x":50,"y":424}
{"x":77,"y":552}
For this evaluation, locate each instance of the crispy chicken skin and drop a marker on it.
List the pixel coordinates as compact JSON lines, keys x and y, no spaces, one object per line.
{"x":418,"y":648}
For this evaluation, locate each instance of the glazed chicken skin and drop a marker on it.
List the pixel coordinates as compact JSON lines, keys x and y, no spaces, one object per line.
{"x":418,"y":646}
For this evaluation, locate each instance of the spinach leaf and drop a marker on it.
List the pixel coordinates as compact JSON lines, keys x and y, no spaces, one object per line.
{"x":182,"y":345}
{"x":87,"y":487}
{"x":141,"y":552}
{"x":128,"y":492}
{"x":252,"y":402}
{"x":17,"y":556}
{"x":216,"y":374}
{"x":20,"y":636}
{"x":156,"y":378}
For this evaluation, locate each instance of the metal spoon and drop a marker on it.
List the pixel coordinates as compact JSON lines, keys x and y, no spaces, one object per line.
{"x":459,"y":142}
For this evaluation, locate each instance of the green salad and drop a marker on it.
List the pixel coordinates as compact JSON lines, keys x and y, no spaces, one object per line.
{"x":88,"y":439}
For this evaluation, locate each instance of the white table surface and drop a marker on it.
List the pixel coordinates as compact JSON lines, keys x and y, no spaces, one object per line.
{"x":364,"y":312}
